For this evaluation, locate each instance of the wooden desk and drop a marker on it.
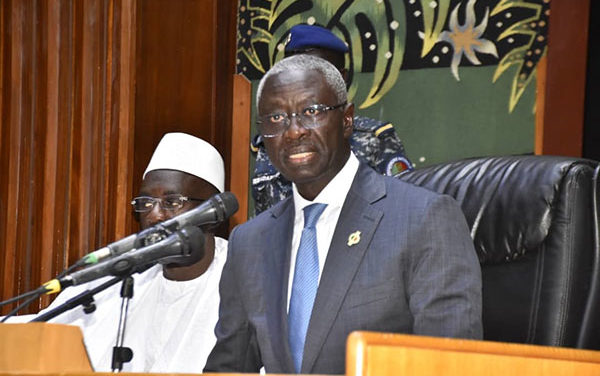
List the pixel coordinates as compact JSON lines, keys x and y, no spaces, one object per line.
{"x":40,"y":347}
{"x":380,"y":354}
{"x":52,"y":349}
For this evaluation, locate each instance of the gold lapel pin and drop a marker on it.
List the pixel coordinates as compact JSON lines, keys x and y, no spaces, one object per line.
{"x":354,"y":238}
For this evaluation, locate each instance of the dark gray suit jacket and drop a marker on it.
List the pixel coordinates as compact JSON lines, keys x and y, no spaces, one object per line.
{"x":414,"y":271}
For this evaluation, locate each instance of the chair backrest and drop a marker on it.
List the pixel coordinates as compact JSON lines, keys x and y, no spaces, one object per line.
{"x":534,"y":223}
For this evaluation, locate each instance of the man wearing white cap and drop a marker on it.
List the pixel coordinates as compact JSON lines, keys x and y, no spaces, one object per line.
{"x":172,"y":315}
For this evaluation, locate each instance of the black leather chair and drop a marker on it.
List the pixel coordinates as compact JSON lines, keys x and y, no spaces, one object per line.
{"x":534,"y":222}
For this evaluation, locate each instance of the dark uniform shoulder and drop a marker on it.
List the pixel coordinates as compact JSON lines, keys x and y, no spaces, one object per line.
{"x":376,"y":143}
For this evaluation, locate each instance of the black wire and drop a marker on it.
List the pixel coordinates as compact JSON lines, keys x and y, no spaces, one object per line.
{"x":25,"y":295}
{"x":68,"y":270}
{"x":36,"y":292}
{"x":39,"y":292}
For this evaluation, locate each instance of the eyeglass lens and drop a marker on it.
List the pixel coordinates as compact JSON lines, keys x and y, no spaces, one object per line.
{"x":146,"y":203}
{"x":310,"y":117}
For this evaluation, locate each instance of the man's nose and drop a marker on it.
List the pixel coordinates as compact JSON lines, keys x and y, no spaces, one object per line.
{"x":296,"y":128}
{"x":157,"y":214}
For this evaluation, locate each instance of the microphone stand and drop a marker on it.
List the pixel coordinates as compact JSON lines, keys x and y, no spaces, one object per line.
{"x":123,"y":267}
{"x":122,"y":354}
{"x":86,"y":299}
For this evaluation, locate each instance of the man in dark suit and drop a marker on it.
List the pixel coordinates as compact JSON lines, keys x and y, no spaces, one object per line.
{"x":350,"y":250}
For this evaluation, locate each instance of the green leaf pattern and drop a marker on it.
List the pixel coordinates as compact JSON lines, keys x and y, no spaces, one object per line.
{"x":387,"y":41}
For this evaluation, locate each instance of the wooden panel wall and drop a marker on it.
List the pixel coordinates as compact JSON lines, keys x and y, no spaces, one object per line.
{"x":184,"y":73}
{"x":561,"y":80}
{"x":240,"y":166}
{"x":66,"y":145}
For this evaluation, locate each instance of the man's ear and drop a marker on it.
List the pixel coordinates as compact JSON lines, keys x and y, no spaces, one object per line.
{"x":344,"y":73}
{"x":348,"y":119}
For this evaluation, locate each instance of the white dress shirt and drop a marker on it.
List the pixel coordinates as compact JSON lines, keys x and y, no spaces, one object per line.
{"x":334,"y":194}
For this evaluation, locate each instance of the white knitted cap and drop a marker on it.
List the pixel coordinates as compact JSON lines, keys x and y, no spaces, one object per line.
{"x":183,"y":152}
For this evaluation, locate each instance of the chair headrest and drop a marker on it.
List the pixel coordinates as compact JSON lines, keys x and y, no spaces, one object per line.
{"x":507,"y":201}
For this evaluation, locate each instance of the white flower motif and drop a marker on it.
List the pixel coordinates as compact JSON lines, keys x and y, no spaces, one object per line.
{"x":466,"y":39}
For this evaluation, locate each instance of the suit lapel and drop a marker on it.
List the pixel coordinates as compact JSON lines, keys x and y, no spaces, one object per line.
{"x":275,"y":277}
{"x":342,"y":259}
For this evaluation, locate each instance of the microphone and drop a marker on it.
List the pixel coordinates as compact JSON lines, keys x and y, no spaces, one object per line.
{"x":185,"y":244}
{"x":216,"y":209}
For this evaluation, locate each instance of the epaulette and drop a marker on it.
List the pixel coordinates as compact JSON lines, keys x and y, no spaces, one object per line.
{"x":386,"y":128}
{"x":365,"y":124}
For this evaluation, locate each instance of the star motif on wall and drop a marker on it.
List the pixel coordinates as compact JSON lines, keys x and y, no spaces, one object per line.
{"x":466,"y":39}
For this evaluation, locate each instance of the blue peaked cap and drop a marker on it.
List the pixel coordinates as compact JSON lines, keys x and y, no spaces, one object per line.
{"x":305,"y":36}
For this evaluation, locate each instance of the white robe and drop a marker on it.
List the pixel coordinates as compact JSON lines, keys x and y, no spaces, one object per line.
{"x":170,"y":324}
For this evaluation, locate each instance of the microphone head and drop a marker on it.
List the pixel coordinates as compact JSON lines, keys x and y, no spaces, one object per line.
{"x":151,"y":235}
{"x":225,"y":204}
{"x":192,"y":241}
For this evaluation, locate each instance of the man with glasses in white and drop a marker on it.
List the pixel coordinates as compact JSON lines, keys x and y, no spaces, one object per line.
{"x":174,"y":309}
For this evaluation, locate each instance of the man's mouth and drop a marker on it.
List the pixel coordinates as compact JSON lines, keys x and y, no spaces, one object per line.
{"x":301,"y":157}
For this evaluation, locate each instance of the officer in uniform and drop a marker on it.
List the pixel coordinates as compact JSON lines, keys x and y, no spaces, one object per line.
{"x":374,"y":142}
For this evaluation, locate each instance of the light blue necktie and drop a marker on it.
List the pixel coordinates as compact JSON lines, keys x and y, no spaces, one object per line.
{"x":304,"y":286}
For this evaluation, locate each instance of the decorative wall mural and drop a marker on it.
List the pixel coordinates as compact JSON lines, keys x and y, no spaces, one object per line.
{"x":387,"y":38}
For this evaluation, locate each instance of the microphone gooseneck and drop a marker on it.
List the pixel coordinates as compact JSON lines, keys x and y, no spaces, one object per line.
{"x":185,"y":244}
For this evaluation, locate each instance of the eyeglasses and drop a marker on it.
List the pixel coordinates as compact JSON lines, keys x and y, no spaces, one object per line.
{"x":173,"y":202}
{"x":311,"y":117}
